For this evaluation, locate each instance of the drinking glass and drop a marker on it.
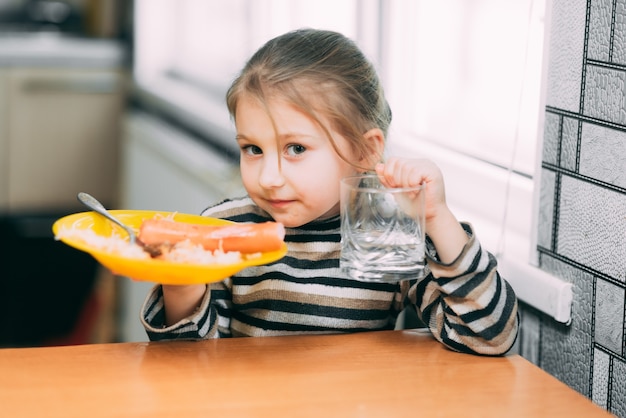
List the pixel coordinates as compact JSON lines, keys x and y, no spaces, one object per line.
{"x":382,"y":230}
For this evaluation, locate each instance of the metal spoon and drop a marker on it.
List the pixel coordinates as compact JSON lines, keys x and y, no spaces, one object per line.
{"x":91,"y":202}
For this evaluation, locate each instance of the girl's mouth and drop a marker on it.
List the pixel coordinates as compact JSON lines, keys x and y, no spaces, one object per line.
{"x":279,"y":204}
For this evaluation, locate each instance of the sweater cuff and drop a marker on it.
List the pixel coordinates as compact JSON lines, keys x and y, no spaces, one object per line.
{"x":153,"y":317}
{"x":461,"y":263}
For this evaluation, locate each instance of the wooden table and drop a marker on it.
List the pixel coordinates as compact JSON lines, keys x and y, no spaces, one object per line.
{"x":386,"y":374}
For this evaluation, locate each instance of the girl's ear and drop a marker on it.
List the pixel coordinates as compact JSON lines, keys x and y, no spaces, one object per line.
{"x":375,"y":145}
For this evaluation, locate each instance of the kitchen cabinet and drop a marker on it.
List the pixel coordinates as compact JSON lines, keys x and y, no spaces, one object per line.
{"x":60,"y":135}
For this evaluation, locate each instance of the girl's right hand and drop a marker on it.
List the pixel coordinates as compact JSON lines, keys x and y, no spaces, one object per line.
{"x":181,"y":301}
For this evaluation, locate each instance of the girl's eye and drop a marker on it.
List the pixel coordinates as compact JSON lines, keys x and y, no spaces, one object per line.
{"x":295,"y":149}
{"x":251,"y":150}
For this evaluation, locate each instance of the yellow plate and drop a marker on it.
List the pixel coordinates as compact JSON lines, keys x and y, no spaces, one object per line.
{"x":152,"y":270}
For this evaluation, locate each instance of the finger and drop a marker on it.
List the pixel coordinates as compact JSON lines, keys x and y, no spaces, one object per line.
{"x":385,"y":173}
{"x":396,"y":172}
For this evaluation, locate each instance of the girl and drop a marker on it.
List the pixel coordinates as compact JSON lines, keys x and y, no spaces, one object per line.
{"x":309,"y":109}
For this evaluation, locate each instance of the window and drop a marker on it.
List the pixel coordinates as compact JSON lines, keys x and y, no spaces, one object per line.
{"x":464,"y":80}
{"x":474,"y":73}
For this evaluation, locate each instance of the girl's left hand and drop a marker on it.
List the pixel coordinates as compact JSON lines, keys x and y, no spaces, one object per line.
{"x":402,"y":172}
{"x":441,"y":226}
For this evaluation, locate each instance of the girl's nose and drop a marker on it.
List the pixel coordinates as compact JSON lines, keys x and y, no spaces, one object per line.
{"x":271,"y":175}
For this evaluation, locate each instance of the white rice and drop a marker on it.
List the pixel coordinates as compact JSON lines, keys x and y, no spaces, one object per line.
{"x":187,"y":252}
{"x":184,"y":252}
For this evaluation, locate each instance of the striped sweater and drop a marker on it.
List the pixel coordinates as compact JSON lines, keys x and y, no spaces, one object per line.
{"x":466,"y":304}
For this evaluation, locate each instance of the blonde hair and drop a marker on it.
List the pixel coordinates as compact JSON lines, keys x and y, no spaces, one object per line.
{"x":319,"y":72}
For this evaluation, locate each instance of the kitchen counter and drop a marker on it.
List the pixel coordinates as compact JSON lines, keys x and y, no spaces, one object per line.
{"x":61,"y":101}
{"x":50,"y":49}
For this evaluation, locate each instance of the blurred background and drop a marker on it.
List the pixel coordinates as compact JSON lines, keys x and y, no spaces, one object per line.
{"x":125,"y":100}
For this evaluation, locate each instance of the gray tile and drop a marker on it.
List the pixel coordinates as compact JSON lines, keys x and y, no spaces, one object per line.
{"x":619,"y":34}
{"x":609,"y":318}
{"x":566,"y":349}
{"x":566,"y":54}
{"x":605,"y":94}
{"x":582,"y":289}
{"x":602,"y":152}
{"x":551,"y":136}
{"x":591,"y":227}
{"x":546,"y":209}
{"x":599,"y":29}
{"x":618,"y":392}
{"x":600,"y":389}
{"x":569,"y":143}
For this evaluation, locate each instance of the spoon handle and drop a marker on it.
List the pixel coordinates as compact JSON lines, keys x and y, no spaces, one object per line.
{"x":91,"y":202}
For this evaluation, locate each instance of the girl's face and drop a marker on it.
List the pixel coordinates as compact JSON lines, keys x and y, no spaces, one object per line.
{"x":292,"y":172}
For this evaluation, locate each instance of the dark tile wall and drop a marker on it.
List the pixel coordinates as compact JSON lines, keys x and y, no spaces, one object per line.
{"x":582,"y":215}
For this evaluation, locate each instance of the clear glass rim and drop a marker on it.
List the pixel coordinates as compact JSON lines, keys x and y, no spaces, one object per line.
{"x":348,"y":182}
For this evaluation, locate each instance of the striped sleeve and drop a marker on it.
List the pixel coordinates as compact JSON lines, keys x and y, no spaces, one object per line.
{"x":210,"y":320}
{"x":467,"y":305}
